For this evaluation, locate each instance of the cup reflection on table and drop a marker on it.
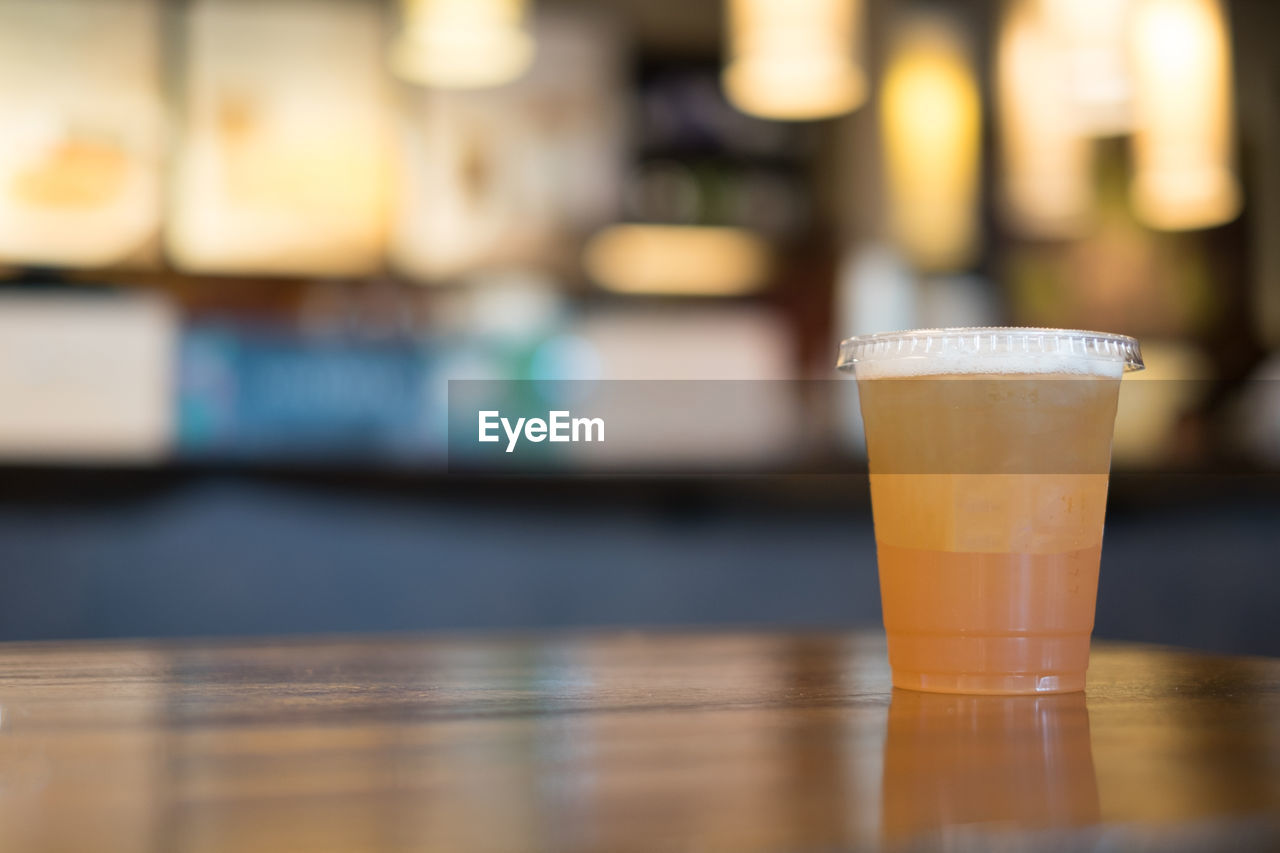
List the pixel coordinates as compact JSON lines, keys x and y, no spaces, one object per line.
{"x":986,"y":763}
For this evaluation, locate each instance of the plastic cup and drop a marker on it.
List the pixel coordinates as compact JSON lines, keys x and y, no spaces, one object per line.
{"x":989,"y":453}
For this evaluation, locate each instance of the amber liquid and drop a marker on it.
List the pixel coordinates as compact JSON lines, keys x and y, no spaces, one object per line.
{"x":988,"y":494}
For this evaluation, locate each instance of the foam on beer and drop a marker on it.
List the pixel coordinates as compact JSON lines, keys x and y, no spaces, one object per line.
{"x":893,"y":366}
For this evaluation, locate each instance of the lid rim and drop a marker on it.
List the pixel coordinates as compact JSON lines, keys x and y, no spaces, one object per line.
{"x":965,"y":330}
{"x":991,"y":341}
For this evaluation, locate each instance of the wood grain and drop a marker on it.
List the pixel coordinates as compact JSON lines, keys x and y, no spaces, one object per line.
{"x":620,"y":742}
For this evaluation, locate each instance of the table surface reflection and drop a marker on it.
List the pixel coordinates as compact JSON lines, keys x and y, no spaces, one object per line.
{"x":620,"y":742}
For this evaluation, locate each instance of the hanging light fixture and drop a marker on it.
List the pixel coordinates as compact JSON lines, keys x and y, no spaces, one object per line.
{"x":1046,"y":162}
{"x":677,"y":260}
{"x":1183,"y":145}
{"x":794,"y":59}
{"x":462,"y":44}
{"x":1090,"y":38}
{"x":931,"y":134}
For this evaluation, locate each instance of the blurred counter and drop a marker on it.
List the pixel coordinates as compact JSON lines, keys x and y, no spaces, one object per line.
{"x":631,"y":741}
{"x":188,"y":551}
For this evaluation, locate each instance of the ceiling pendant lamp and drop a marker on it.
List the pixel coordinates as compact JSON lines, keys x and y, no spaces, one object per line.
{"x":794,"y":59}
{"x":1046,"y":162}
{"x":1183,"y":146}
{"x":931,"y":118}
{"x":462,"y":44}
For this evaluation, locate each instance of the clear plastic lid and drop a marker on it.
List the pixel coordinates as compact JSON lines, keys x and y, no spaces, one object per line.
{"x":989,"y":350}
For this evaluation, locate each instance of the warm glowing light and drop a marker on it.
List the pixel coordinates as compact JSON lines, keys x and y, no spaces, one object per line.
{"x":680,"y":260}
{"x":1045,"y":186}
{"x":280,"y":167}
{"x":1091,"y":40}
{"x":794,"y":59}
{"x":487,"y":182}
{"x":462,"y":44}
{"x":81,"y":131}
{"x":930,"y":129}
{"x":1183,"y":147}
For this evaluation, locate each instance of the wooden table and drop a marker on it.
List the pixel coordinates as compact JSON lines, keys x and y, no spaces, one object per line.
{"x":619,"y":742}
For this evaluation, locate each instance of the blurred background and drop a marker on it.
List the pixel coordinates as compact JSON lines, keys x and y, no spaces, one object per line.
{"x":244,"y":244}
